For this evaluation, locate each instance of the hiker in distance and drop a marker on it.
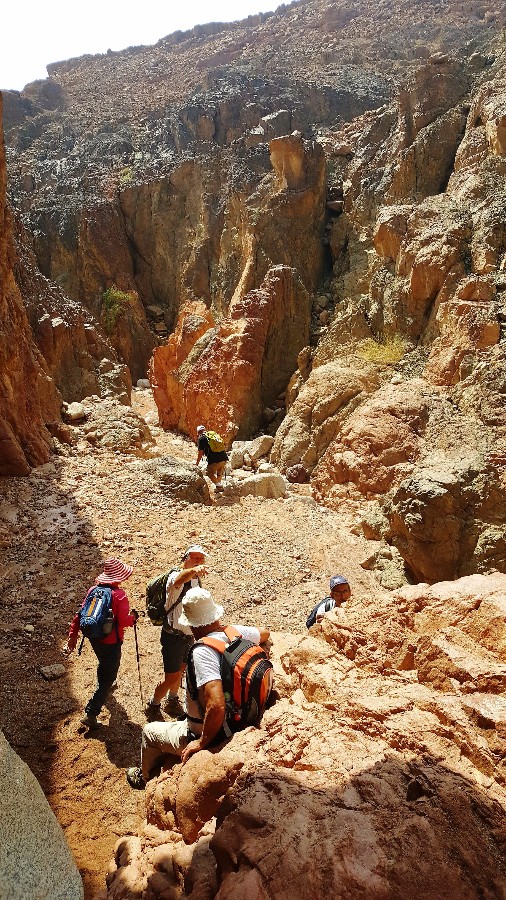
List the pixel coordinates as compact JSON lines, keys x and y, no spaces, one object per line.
{"x":210,"y":444}
{"x":176,"y":637}
{"x":103,"y":617}
{"x":220,"y":652}
{"x":340,"y":591}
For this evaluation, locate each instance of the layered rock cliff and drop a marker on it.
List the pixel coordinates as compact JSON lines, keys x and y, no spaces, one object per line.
{"x":417,"y":283}
{"x":144,"y":188}
{"x":28,"y":397}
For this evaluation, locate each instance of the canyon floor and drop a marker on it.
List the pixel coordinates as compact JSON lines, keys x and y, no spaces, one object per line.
{"x":269,"y":562}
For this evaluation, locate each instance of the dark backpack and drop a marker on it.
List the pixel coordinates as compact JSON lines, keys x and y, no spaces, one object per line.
{"x":246,"y":675}
{"x":156,"y":597}
{"x":96,"y":619}
{"x":329,"y":604}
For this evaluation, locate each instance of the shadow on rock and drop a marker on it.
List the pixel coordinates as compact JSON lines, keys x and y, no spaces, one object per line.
{"x":400,"y":828}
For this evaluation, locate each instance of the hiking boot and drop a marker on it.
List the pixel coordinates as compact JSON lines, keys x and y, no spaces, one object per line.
{"x":174,"y":708}
{"x":135,"y":779}
{"x":89,"y":720}
{"x":153,"y":712}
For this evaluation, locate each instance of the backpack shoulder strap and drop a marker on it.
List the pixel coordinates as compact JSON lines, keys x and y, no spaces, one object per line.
{"x":220,"y":646}
{"x":191,"y":677}
{"x":215,"y":643}
{"x":173,"y":605}
{"x":231,"y":632}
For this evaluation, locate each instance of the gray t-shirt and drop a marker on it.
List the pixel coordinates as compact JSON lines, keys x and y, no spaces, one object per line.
{"x":206,"y":661}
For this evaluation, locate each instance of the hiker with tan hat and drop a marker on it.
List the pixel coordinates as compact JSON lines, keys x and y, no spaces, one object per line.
{"x":103,"y":617}
{"x":210,"y":444}
{"x":207,"y":721}
{"x":176,"y":637}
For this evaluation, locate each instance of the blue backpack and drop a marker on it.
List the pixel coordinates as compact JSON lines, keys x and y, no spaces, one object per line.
{"x":96,"y":618}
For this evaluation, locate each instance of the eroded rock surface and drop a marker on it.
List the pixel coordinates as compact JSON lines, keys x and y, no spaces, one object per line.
{"x":227,"y":373}
{"x":417,"y":289}
{"x":389,"y":725}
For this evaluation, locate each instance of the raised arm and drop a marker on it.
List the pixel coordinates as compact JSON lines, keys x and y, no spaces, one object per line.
{"x":187,"y":575}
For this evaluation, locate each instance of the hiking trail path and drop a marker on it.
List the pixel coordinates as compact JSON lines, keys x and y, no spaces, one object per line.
{"x":269,"y":563}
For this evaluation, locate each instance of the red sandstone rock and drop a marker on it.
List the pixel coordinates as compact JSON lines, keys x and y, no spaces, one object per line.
{"x":28,"y":396}
{"x":465,"y":326}
{"x":362,"y":764}
{"x":378,"y":444}
{"x":224,"y":375}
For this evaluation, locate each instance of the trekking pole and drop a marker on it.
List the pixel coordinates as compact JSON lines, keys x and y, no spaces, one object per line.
{"x":138,"y":661}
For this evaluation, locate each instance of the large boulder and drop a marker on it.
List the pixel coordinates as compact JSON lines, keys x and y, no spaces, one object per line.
{"x":435,"y":468}
{"x":316,"y":416}
{"x":378,"y":443}
{"x":35,"y":861}
{"x":178,"y":480}
{"x":116,"y":426}
{"x":270,"y":485}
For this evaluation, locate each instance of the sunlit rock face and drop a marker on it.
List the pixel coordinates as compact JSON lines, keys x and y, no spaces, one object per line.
{"x":226,"y":374}
{"x":390,"y":720}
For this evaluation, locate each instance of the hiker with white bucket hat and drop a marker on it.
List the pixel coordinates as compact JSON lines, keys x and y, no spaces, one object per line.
{"x":216,"y":663}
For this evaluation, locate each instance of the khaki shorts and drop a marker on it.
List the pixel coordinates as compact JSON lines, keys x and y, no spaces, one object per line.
{"x":161,"y":739}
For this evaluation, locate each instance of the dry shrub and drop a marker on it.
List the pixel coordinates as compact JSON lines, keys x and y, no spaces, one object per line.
{"x":389,"y":350}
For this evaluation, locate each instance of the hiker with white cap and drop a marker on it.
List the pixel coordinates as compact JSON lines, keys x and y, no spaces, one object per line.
{"x":103,"y":617}
{"x":340,"y":591}
{"x":207,"y":703}
{"x":176,"y":637}
{"x":210,"y":444}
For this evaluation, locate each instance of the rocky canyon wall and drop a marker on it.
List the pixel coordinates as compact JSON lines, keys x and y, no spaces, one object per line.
{"x":231,"y":369}
{"x":325,"y":241}
{"x":411,"y":367}
{"x":28,"y":397}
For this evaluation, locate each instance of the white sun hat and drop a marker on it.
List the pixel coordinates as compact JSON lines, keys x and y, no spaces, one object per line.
{"x":199,"y":608}
{"x":195,"y":548}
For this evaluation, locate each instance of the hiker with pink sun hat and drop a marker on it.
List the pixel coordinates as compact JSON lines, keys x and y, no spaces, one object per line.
{"x":103,"y":617}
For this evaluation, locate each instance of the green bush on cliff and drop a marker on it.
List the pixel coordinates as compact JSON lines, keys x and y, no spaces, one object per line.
{"x":125,"y":176}
{"x":114,"y":305}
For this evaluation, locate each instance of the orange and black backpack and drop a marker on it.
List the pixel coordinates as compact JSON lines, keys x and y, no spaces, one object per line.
{"x":246,"y":674}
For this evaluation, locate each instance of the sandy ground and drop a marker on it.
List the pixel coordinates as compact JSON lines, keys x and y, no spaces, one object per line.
{"x":270,"y":561}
